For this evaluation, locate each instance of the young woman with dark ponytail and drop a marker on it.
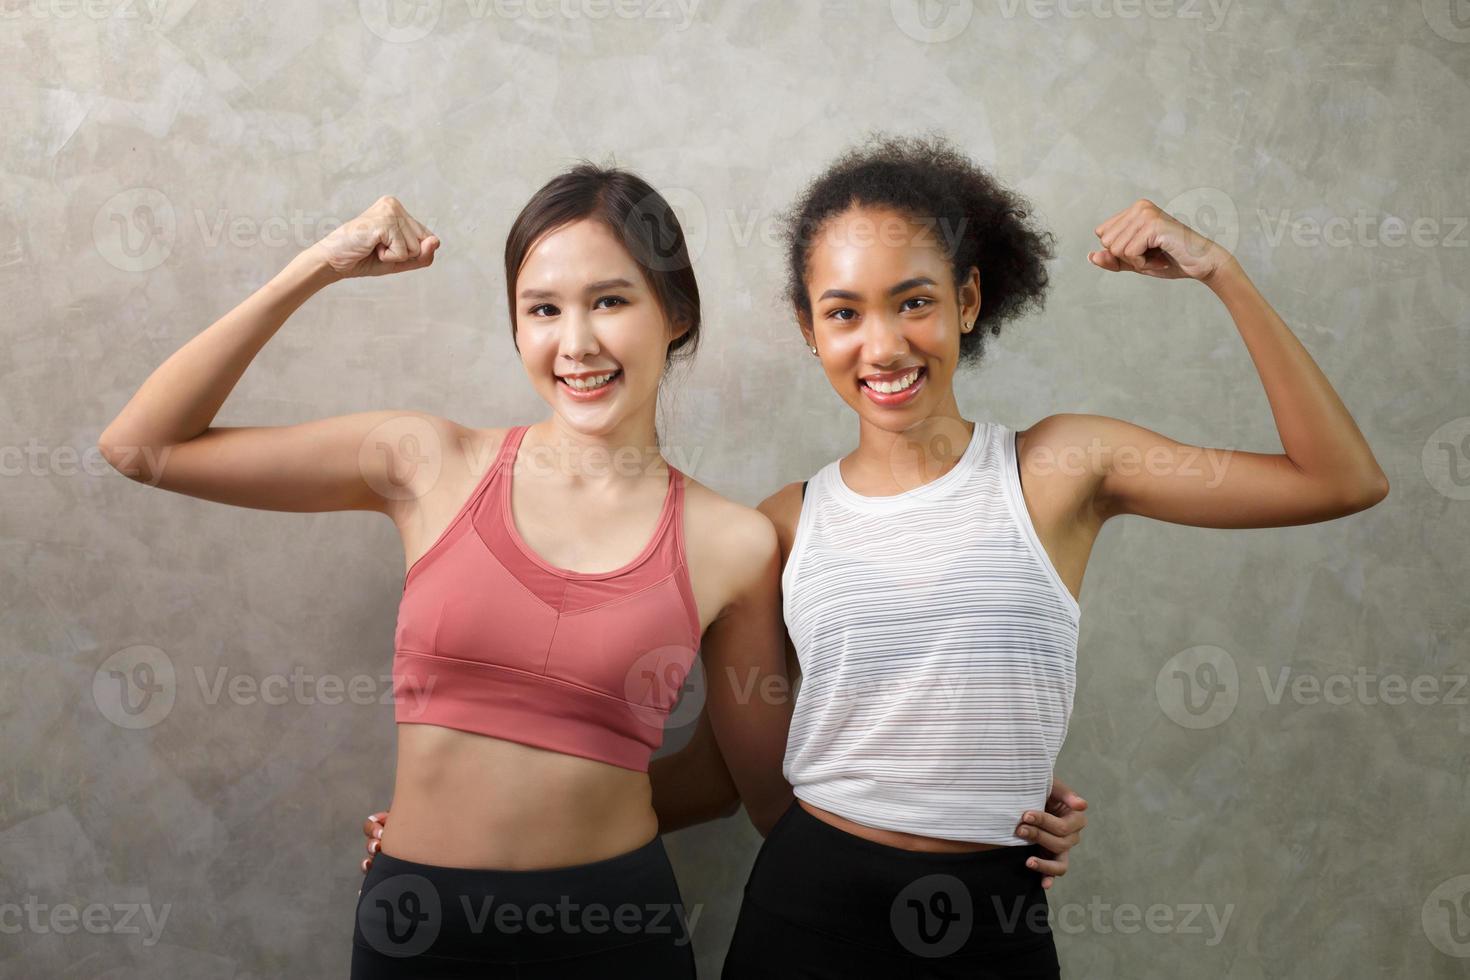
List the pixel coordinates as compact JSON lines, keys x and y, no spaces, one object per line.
{"x":560,"y":579}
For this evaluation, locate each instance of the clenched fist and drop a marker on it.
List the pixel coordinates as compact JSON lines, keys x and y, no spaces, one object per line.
{"x":383,"y":239}
{"x":1146,"y":239}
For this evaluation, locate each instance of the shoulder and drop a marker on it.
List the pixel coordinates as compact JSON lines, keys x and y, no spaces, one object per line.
{"x":743,"y":531}
{"x":1073,"y":445}
{"x":1064,"y":458}
{"x":728,"y":542}
{"x":432,"y":456}
{"x":425,"y":438}
{"x":479,"y":446}
{"x":783,"y":508}
{"x":465,"y":449}
{"x":1069,"y":431}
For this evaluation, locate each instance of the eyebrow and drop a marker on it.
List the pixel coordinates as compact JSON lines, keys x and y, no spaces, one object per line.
{"x":902,"y":287}
{"x":591,"y":288}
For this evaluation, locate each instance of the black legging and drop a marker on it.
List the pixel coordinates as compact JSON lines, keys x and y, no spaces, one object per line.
{"x":821,"y":902}
{"x":621,"y":917}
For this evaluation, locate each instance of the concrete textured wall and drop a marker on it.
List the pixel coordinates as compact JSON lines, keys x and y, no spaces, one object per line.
{"x":1271,"y":725}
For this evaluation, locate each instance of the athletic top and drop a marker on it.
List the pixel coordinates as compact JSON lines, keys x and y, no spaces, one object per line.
{"x":493,"y":640}
{"x":938,"y":651}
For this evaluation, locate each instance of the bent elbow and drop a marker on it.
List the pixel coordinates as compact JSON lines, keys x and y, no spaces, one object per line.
{"x":133,"y":462}
{"x":1369,"y":492}
{"x":115,"y":457}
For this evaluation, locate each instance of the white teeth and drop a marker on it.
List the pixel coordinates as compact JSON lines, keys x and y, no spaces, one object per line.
{"x":587,"y":384}
{"x":889,"y":387}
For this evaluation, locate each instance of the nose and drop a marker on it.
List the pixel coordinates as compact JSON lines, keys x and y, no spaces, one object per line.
{"x":883,"y":340}
{"x":577,"y":338}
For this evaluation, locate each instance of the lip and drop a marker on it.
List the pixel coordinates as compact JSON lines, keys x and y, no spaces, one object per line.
{"x":895,"y":398}
{"x":588,"y":396}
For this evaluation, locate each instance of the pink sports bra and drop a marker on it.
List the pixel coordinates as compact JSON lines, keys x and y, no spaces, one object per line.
{"x":493,"y":640}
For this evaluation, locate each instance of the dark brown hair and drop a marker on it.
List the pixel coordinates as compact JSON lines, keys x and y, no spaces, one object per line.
{"x":637,"y":215}
{"x":984,"y":223}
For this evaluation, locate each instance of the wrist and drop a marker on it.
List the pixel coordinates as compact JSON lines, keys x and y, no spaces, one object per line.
{"x":312,"y":266}
{"x":1226,"y":274}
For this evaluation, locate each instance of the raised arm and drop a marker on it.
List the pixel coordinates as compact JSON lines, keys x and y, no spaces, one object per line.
{"x":163,"y":436}
{"x":1327,"y":470}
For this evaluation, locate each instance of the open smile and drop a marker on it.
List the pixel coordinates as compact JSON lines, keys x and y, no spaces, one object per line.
{"x":893,"y":388}
{"x":589,"y":386}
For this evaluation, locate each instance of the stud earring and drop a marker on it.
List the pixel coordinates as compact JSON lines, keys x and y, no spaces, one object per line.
{"x":811,"y":348}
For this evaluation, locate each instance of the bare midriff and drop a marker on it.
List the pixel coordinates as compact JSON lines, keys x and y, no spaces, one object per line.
{"x":462,"y":800}
{"x":896,"y":838}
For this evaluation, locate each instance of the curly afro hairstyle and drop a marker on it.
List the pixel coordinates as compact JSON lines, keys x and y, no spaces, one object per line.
{"x":980,"y":223}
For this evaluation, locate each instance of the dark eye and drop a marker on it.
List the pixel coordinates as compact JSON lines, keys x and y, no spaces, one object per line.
{"x":550,"y":310}
{"x":614,"y":300}
{"x":837,"y":314}
{"x":922,"y":302}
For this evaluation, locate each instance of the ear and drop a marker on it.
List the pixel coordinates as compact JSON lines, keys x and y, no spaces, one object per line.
{"x":677,"y":329}
{"x":969,"y":295}
{"x":804,"y":323}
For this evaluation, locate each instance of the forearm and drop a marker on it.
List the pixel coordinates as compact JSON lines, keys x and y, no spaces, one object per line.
{"x":181,"y":397}
{"x":1317,"y":432}
{"x":693,"y":785}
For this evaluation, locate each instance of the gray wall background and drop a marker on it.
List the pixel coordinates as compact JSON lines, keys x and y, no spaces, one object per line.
{"x":161,"y":161}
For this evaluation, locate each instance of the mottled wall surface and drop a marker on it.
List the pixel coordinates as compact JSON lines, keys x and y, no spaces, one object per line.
{"x":1271,"y":725}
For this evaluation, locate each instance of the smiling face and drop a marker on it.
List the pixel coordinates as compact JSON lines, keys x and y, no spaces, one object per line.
{"x":592,"y":336}
{"x":886,"y":316}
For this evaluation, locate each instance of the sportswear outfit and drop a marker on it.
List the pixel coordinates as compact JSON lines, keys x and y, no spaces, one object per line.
{"x":491,"y":639}
{"x":938,"y":665}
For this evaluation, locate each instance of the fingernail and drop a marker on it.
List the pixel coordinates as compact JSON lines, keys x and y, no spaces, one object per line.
{"x":378,"y":832}
{"x":1030,"y":818}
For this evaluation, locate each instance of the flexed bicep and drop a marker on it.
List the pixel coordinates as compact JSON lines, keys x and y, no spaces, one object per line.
{"x":373,"y":460}
{"x":1142,"y":472}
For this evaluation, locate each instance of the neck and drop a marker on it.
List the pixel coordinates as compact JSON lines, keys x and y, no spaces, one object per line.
{"x":628,"y":450}
{"x":886,"y":459}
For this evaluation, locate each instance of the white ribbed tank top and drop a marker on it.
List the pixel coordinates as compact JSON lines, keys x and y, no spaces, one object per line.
{"x":938,"y":650}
